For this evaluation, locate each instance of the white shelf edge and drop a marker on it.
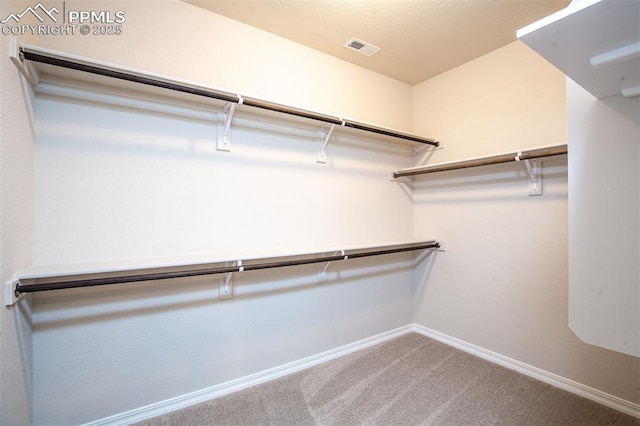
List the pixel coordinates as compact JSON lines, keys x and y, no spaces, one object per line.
{"x":573,"y":7}
{"x":481,"y":157}
{"x":352,"y":124}
{"x":596,"y":43}
{"x":191,"y":261}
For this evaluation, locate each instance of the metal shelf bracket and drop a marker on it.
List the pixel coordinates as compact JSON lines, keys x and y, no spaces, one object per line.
{"x":534,"y":172}
{"x":224,"y":139}
{"x":225,"y":286}
{"x":325,"y":135}
{"x":323,"y":276}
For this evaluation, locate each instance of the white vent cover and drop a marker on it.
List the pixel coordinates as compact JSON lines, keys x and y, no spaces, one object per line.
{"x":363,"y":47}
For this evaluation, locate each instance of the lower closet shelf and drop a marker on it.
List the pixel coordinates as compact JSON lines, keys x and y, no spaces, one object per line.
{"x":57,"y":277}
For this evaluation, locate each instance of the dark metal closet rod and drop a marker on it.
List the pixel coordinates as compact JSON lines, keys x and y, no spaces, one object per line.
{"x":213,"y":94}
{"x":497,"y":159}
{"x":91,"y":282}
{"x":91,"y":69}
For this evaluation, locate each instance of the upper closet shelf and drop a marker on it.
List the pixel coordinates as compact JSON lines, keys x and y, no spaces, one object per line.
{"x":39,"y":65}
{"x":594,"y":42}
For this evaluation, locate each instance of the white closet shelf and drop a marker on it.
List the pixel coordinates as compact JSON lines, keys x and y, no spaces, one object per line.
{"x":522,"y":155}
{"x":63,"y":276}
{"x":596,"y":43}
{"x":40,"y":65}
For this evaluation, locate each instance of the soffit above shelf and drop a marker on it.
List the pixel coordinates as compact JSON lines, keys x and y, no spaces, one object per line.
{"x":577,"y":39}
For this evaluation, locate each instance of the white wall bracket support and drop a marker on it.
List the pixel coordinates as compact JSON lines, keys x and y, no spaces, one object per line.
{"x":325,"y":135}
{"x":224,"y":137}
{"x":11,"y":295}
{"x":25,"y":68}
{"x":225,"y":286}
{"x":534,"y":172}
{"x":323,"y":275}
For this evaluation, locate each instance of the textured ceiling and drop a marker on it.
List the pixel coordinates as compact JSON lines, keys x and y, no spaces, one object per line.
{"x":419,"y":38}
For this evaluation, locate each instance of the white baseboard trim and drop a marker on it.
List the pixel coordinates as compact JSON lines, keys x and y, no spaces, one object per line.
{"x":537,"y":373}
{"x":183,"y":401}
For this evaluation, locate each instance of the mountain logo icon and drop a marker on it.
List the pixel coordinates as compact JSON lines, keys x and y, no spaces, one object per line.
{"x":39,"y":11}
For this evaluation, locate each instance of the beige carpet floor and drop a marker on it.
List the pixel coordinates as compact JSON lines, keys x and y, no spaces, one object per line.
{"x":410,"y":380}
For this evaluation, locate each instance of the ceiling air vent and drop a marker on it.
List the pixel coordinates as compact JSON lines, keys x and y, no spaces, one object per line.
{"x":363,"y":47}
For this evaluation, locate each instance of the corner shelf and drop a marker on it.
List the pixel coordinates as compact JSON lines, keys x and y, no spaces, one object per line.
{"x":528,"y":157}
{"x":522,"y":155}
{"x":594,"y":42}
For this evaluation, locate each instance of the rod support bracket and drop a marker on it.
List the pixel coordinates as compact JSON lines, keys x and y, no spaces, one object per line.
{"x":323,"y":275}
{"x":12,"y":295}
{"x":224,"y":136}
{"x":225,"y":286}
{"x":325,"y":135}
{"x":534,"y":172}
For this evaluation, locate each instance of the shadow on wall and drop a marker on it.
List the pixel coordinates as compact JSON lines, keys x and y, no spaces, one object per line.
{"x":103,"y":188}
{"x":421,"y":273}
{"x":258,"y":137}
{"x":75,"y":307}
{"x":487,"y":184}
